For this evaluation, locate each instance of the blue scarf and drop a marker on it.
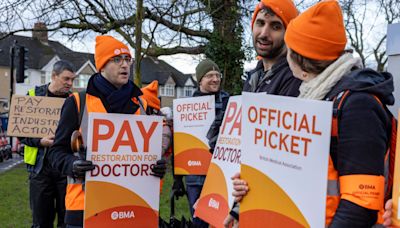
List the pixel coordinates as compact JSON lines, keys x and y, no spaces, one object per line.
{"x":116,"y":98}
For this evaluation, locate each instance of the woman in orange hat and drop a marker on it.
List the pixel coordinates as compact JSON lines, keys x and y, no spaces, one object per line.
{"x":316,"y":42}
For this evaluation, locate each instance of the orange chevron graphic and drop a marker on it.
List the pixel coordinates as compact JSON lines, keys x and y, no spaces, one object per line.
{"x":268,"y":201}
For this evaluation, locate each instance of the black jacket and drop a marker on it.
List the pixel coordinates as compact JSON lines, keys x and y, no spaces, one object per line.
{"x":35,"y":142}
{"x":60,"y":154}
{"x":278,"y":81}
{"x":363,"y":136}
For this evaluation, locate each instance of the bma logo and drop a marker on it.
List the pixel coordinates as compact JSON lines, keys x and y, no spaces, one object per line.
{"x":213,"y":203}
{"x":194,"y":163}
{"x":122,"y":215}
{"x":367,"y":186}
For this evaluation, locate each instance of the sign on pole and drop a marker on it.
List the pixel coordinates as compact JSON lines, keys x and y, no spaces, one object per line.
{"x":34,"y":117}
{"x":120,"y":192}
{"x":192,"y":120}
{"x":285,"y":149}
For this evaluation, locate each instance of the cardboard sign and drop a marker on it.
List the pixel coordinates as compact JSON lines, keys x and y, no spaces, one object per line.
{"x":192,"y":120}
{"x":34,"y":117}
{"x":396,"y":182}
{"x":285,"y":152}
{"x":120,"y":192}
{"x":216,"y":197}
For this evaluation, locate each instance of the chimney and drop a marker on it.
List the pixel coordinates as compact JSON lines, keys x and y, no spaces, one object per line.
{"x":40,"y":32}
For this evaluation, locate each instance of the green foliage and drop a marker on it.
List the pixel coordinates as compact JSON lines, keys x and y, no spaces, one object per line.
{"x":14,"y":201}
{"x":225,"y":46}
{"x":181,"y":205}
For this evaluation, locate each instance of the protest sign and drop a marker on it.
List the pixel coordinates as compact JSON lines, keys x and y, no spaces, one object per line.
{"x":120,"y":192}
{"x":216,"y":197}
{"x":285,"y":152}
{"x":192,"y":120}
{"x":34,"y":117}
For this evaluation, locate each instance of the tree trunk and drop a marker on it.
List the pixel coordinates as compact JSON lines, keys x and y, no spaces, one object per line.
{"x":225,"y":46}
{"x":138,"y":42}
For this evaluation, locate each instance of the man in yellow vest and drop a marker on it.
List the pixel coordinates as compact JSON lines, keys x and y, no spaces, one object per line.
{"x":46,"y":185}
{"x":108,"y":91}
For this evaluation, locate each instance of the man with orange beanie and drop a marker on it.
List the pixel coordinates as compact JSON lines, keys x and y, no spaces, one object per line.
{"x":272,"y":74}
{"x":108,"y":91}
{"x":361,"y":123}
{"x":150,"y":94}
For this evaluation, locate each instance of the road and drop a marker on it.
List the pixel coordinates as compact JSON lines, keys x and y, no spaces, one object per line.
{"x":10,"y":163}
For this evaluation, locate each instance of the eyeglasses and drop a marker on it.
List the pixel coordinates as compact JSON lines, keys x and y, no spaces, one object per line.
{"x":211,"y":75}
{"x":119,"y":59}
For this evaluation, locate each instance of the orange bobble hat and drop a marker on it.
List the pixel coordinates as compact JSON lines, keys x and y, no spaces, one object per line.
{"x":106,"y":48}
{"x":318,"y":33}
{"x":150,"y":94}
{"x":284,"y":9}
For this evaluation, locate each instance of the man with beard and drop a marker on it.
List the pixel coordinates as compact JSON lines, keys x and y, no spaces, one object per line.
{"x":208,"y":76}
{"x":272,"y":74}
{"x":108,"y":91}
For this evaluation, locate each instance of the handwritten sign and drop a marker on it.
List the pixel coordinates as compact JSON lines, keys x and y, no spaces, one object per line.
{"x":34,"y":117}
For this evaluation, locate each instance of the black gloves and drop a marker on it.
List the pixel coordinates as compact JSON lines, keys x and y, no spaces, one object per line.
{"x":159,"y":169}
{"x":80,"y":167}
{"x":178,"y":187}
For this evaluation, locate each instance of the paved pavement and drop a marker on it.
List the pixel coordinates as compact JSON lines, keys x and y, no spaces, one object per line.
{"x":10,"y":163}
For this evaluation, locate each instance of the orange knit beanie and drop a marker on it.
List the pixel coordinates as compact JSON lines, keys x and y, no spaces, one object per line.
{"x":319,"y":32}
{"x":284,"y":9}
{"x":150,"y":94}
{"x":106,"y":48}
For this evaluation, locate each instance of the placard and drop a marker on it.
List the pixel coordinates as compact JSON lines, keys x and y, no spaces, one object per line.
{"x":192,"y":120}
{"x":120,"y":192}
{"x":34,"y":116}
{"x":285,"y":152}
{"x":216,"y":197}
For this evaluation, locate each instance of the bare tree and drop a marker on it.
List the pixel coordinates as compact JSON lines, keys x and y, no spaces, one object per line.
{"x":366,"y":23}
{"x":168,"y":27}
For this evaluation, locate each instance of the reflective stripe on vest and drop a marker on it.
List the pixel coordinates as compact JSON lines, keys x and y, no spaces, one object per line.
{"x":30,"y":152}
{"x":75,"y":195}
{"x":337,"y":191}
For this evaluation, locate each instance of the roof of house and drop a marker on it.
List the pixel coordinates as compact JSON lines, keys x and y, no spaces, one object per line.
{"x":39,"y":54}
{"x":156,"y":69}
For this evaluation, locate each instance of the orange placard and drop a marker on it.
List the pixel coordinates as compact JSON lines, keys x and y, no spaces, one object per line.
{"x":120,"y":191}
{"x":396,"y":183}
{"x":192,"y":157}
{"x":192,"y":119}
{"x":216,"y":197}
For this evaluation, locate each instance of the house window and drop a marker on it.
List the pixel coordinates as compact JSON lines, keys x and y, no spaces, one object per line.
{"x":188,"y":91}
{"x":81,"y":81}
{"x":45,"y":77}
{"x":167,"y":90}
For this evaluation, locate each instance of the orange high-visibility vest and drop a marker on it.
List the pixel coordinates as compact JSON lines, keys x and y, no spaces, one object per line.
{"x":75,"y":195}
{"x":352,"y":187}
